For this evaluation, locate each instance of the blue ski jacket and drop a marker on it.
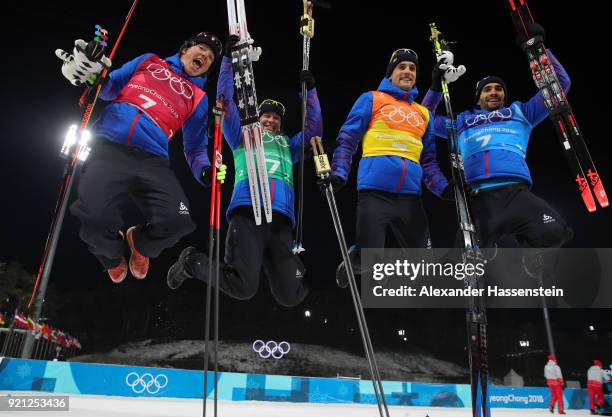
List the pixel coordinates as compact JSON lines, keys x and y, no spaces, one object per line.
{"x":124,"y":123}
{"x":282,"y":194}
{"x":493,"y":144}
{"x":386,"y":171}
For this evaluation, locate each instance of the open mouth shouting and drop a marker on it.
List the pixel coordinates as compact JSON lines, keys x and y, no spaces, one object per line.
{"x":197,"y":60}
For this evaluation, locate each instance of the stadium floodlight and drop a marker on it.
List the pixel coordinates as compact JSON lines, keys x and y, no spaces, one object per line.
{"x":84,"y":148}
{"x":69,"y":141}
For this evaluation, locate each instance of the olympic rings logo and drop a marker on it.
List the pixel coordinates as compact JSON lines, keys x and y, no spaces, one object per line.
{"x":178,"y":85}
{"x":147,"y":382}
{"x":279,"y":139}
{"x":402,"y":114}
{"x":494,"y":116}
{"x":271,"y":348}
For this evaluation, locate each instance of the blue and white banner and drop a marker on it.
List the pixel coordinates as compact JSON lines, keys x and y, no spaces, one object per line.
{"x":132,"y":381}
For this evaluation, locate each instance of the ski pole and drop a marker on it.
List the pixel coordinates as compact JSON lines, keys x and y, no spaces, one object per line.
{"x":307,"y":31}
{"x":69,"y":174}
{"x":323,"y":170}
{"x":476,"y":324}
{"x":213,"y":249}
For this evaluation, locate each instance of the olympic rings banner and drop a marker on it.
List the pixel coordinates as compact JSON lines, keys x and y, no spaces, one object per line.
{"x":130,"y":381}
{"x":271,"y":349}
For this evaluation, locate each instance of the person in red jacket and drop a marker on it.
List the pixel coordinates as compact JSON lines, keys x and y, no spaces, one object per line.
{"x":554,"y":380}
{"x":595,"y":379}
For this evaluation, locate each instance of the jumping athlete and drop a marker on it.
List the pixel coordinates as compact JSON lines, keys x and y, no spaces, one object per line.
{"x":399,"y":154}
{"x":151,"y":100}
{"x":493,"y":141}
{"x":249,"y":248}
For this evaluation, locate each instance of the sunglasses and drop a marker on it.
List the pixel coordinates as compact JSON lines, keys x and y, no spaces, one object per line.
{"x":273,"y":103}
{"x":403,"y":51}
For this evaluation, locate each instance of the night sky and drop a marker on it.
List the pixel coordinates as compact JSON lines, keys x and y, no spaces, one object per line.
{"x":352,"y":45}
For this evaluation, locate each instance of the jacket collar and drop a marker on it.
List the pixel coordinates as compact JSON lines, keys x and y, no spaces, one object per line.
{"x":386,"y":86}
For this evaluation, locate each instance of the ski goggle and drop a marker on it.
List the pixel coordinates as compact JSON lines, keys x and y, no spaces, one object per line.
{"x":269,"y":102}
{"x":403,"y":51}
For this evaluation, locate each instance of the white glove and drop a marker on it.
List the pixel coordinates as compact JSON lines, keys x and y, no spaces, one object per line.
{"x":446,"y":57}
{"x":77,"y":67}
{"x":254,"y":51}
{"x":255,"y":54}
{"x":451,"y":73}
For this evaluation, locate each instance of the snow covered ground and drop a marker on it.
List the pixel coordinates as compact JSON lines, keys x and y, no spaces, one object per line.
{"x":102,"y":406}
{"x":304,"y":359}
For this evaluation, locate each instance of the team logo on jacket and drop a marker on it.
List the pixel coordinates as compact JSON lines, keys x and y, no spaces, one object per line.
{"x":177,"y":84}
{"x":494,"y":116}
{"x":399,"y":114}
{"x":183,"y":209}
{"x":547,"y":219}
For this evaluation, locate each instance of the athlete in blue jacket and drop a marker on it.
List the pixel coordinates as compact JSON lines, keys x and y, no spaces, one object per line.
{"x":249,"y":248}
{"x":493,"y":141}
{"x":399,"y":154}
{"x":150,"y":100}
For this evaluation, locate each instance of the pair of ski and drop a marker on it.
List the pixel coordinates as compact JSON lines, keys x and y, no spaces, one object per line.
{"x":561,"y":114}
{"x":243,"y":55}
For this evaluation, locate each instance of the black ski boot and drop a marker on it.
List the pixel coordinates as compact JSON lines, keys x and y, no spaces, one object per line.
{"x":180,"y":271}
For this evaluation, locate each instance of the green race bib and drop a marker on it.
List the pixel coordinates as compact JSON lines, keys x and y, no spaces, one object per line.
{"x":278,"y":159}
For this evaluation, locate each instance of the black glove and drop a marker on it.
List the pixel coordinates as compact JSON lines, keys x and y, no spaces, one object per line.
{"x":533,"y":30}
{"x":332,"y":180}
{"x":446,"y":57}
{"x":449,"y":192}
{"x":307,"y":77}
{"x":206,"y":177}
{"x":436,"y":77}
{"x":231,"y":41}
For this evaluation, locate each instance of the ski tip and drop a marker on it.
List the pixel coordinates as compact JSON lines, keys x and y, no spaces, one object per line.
{"x":589,"y":200}
{"x":600,"y":193}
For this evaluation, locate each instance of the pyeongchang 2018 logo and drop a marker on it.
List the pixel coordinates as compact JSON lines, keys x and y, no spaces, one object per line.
{"x":146,"y":382}
{"x":177,"y":84}
{"x":494,"y":116}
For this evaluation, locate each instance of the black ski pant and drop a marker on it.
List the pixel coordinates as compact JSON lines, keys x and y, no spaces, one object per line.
{"x":115,"y":174}
{"x":251,"y":249}
{"x":379,"y":211}
{"x":516,"y":211}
